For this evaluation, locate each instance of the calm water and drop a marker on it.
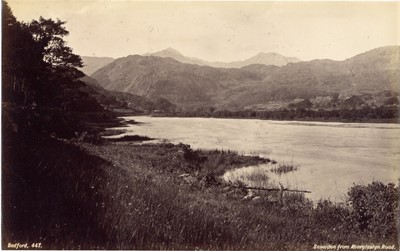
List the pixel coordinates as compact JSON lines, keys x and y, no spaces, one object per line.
{"x":330,"y":156}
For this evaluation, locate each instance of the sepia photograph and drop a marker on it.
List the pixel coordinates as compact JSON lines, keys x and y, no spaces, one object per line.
{"x":200,"y":125}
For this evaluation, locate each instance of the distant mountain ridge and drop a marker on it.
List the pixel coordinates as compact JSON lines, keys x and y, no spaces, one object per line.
{"x":92,"y":64}
{"x":192,"y":85}
{"x":270,"y":58}
{"x":172,"y":53}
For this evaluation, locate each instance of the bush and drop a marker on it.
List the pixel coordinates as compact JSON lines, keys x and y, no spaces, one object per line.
{"x":374,"y":208}
{"x":332,"y":215}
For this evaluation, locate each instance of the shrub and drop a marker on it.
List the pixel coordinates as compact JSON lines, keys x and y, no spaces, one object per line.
{"x":331,"y":215}
{"x":374,"y":208}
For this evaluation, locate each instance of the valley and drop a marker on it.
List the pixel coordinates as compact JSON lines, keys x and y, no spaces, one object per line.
{"x":361,"y":87}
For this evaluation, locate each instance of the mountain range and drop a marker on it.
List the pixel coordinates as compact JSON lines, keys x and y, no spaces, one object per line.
{"x":269,"y":58}
{"x":190,"y":85}
{"x":92,"y":64}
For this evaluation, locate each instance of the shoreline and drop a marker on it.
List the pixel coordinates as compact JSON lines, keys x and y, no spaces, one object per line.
{"x":388,"y":122}
{"x":344,"y":121}
{"x":162,"y":196}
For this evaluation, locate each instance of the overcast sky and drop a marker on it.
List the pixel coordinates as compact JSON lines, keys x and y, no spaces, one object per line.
{"x":220,"y":31}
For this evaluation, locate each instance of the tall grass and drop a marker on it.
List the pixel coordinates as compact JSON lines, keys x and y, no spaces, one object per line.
{"x":134,"y":198}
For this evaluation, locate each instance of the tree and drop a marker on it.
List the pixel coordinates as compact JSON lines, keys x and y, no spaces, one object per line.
{"x":35,"y":58}
{"x":8,"y":17}
{"x":40,"y":86}
{"x":49,"y":34}
{"x":56,"y":55}
{"x":20,"y":59}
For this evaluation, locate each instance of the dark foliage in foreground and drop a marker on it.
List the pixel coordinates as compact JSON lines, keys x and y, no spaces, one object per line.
{"x":47,"y":195}
{"x":374,"y":208}
{"x":41,"y":90}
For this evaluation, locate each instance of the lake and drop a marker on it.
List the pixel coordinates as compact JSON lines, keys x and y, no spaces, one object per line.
{"x":330,"y":156}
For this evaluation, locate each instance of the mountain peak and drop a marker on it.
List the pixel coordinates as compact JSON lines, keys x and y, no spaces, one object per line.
{"x":172,"y":53}
{"x":168,"y":51}
{"x":270,"y":58}
{"x":267,"y":54}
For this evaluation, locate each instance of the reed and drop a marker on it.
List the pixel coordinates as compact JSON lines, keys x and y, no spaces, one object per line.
{"x":284,"y":168}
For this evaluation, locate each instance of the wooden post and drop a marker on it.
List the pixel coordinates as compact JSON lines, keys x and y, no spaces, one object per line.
{"x":281,"y":189}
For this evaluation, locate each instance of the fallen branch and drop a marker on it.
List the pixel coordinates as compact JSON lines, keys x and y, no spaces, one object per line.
{"x":272,"y":189}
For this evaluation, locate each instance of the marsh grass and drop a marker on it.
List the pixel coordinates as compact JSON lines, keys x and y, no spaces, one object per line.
{"x":284,"y":168}
{"x":220,"y":161}
{"x":131,"y":138}
{"x":132,"y":122}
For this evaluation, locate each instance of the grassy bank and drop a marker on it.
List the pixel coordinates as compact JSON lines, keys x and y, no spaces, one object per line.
{"x":118,"y":195}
